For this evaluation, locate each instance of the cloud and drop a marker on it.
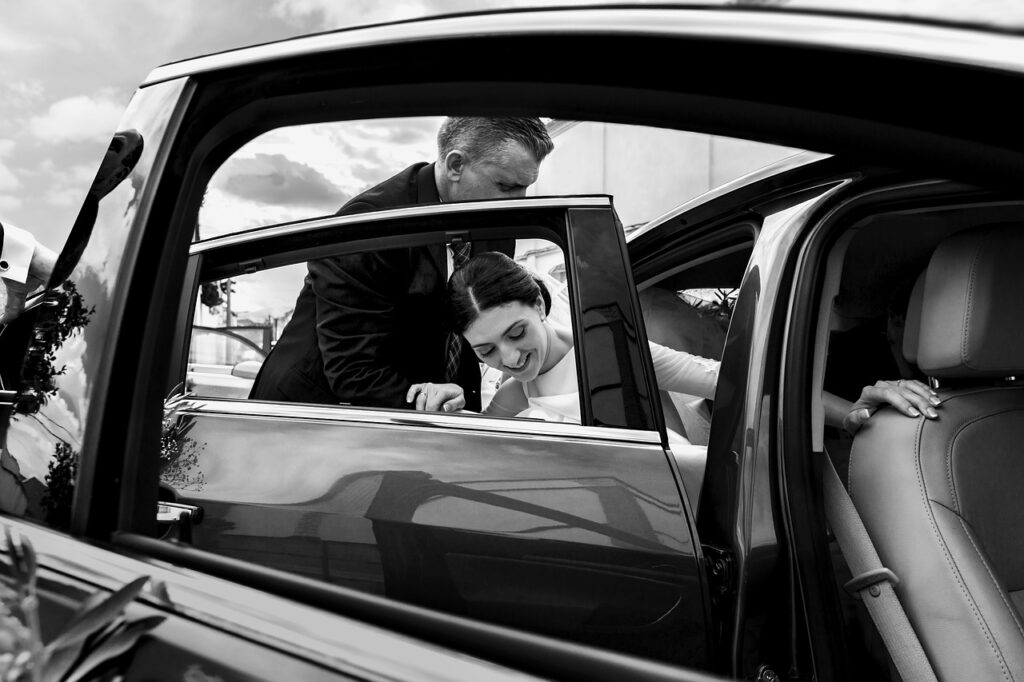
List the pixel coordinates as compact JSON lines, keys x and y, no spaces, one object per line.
{"x":8,"y":203}
{"x":66,"y":196}
{"x":411,"y":135}
{"x":328,"y":14}
{"x":8,"y":180}
{"x":275,"y":179}
{"x":14,"y":41}
{"x":21,"y":94}
{"x":31,"y":88}
{"x":368,"y":175}
{"x":77,"y":119}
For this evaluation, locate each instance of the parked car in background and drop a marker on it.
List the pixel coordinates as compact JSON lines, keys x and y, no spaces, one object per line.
{"x":222,"y":363}
{"x":299,"y":541}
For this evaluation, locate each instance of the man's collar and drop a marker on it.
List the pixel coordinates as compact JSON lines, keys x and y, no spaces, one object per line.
{"x":426,"y":186}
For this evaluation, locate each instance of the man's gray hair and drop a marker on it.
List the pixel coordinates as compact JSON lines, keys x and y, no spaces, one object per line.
{"x":481,"y":137}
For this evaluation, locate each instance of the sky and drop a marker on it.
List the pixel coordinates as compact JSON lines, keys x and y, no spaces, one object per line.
{"x":68,"y":69}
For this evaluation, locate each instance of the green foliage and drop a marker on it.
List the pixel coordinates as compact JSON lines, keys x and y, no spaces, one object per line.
{"x":60,"y":486}
{"x":179,"y":455}
{"x":212,"y":294}
{"x":717,"y":304}
{"x":62,"y":313}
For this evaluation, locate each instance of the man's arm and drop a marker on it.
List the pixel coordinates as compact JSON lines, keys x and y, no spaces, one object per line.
{"x":25,"y":266}
{"x":357,"y":327}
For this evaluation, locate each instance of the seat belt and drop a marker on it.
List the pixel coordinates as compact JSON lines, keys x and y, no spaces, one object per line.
{"x":873,"y":582}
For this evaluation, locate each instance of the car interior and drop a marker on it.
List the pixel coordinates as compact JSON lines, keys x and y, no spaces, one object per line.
{"x":687,"y":300}
{"x":930,"y":292}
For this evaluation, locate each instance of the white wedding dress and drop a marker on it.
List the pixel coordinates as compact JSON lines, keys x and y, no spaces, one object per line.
{"x":554,"y":395}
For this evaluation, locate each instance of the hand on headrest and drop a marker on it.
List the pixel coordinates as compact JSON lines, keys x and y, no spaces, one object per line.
{"x":909,"y":396}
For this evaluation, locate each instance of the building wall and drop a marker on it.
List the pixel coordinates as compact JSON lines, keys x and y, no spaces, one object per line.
{"x":647,"y":171}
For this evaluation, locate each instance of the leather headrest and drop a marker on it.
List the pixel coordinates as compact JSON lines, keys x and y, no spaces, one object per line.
{"x":971,"y":324}
{"x":912,"y":324}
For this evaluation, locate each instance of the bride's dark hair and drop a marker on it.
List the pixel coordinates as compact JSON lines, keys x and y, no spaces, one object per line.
{"x":491,"y":279}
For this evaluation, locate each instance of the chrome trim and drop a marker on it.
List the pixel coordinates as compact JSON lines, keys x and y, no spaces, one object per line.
{"x":405,"y":419}
{"x":789,"y":163}
{"x":339,"y":643}
{"x":879,"y":36}
{"x":426,"y":210}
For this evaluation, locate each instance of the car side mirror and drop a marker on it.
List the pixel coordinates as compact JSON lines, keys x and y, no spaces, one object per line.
{"x":246,"y":369}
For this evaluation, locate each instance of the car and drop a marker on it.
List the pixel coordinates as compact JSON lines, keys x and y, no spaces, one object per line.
{"x":302,"y":541}
{"x":222,"y":362}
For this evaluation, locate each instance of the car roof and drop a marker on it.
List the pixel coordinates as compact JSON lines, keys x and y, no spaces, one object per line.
{"x":941,"y":42}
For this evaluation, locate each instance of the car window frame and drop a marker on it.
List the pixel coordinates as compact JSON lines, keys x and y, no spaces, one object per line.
{"x":289,"y":243}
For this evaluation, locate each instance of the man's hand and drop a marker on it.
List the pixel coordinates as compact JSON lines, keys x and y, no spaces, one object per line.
{"x":910,"y":397}
{"x":435,"y":397}
{"x":39,"y":270}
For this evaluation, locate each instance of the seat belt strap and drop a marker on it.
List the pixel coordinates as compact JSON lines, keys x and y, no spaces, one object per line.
{"x":873,"y":582}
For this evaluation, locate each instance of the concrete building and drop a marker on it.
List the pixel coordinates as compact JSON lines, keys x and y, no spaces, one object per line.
{"x":647,"y":171}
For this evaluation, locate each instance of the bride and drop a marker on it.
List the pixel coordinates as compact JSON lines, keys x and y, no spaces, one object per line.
{"x":505,"y":313}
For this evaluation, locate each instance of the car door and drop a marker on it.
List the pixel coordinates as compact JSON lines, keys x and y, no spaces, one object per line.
{"x":578,"y":531}
{"x":177,"y":623}
{"x":734,"y":243}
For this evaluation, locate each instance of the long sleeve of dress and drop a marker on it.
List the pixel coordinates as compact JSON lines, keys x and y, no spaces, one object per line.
{"x":681,"y":372}
{"x":676,"y":371}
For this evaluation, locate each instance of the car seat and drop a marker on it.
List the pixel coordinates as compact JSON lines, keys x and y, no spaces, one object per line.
{"x":941,"y":499}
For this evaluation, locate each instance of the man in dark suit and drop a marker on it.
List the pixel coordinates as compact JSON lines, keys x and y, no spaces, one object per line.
{"x":368,"y":326}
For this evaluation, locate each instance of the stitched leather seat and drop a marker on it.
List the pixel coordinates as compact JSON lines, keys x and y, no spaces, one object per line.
{"x":943,"y":500}
{"x":912,"y":325}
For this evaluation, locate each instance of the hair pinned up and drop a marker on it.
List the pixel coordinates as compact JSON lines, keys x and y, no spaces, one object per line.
{"x":488,"y":280}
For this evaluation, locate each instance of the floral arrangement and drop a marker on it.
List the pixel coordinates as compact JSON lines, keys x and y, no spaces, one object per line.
{"x":96,"y":636}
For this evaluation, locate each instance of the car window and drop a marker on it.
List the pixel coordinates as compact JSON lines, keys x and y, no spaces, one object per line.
{"x":223,"y":361}
{"x":239,"y":320}
{"x":687,"y":306}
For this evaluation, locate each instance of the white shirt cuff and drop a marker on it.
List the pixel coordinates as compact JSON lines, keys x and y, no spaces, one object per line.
{"x":16,"y":253}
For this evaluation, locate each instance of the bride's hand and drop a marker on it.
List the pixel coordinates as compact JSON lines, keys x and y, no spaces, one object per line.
{"x":910,"y":397}
{"x":434,"y":397}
